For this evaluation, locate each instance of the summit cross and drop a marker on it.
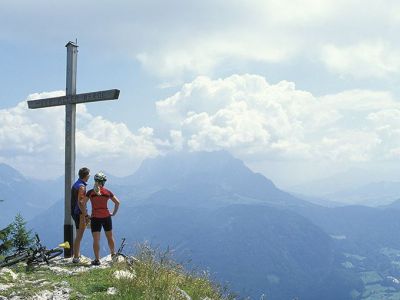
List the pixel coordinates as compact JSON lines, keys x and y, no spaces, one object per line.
{"x":70,"y":100}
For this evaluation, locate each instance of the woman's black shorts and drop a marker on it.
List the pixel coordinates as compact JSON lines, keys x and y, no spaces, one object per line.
{"x":97,"y":223}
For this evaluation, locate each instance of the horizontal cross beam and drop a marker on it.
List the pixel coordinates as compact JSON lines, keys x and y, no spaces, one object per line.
{"x":74,"y":99}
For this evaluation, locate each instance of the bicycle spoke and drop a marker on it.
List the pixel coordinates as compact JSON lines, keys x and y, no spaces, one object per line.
{"x":52,"y":253}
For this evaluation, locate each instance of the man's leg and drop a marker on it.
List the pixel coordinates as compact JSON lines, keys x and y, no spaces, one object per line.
{"x":79,"y":234}
{"x":77,"y":243}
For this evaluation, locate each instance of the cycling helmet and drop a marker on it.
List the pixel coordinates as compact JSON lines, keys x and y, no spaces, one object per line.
{"x":100,"y":177}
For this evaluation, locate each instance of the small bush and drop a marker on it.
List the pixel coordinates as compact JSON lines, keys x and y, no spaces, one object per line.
{"x":5,"y":240}
{"x":20,"y":236}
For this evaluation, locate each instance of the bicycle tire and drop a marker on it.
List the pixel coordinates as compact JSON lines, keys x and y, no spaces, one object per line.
{"x":52,"y":253}
{"x":35,"y":259}
{"x":17,"y":254}
{"x":14,"y":259}
{"x":44,"y":256}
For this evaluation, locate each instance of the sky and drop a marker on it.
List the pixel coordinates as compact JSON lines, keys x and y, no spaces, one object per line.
{"x":299,"y":90}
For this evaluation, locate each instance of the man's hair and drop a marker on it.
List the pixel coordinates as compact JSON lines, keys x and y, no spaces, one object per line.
{"x":83,"y":172}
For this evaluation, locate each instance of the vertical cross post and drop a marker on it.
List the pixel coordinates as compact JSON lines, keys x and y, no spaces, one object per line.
{"x":70,"y":100}
{"x":70,"y":113}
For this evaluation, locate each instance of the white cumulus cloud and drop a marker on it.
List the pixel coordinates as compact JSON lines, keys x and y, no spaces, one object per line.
{"x":251,"y":117}
{"x":363,"y":60}
{"x":176,"y":38}
{"x":244,"y":114}
{"x":33,"y":140}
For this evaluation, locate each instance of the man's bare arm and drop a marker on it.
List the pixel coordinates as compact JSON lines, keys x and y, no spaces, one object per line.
{"x":82,"y":200}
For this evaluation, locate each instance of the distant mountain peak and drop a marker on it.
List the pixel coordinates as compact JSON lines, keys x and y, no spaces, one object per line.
{"x":208,"y":174}
{"x":200,"y":160}
{"x":176,"y":166}
{"x":8,"y":173}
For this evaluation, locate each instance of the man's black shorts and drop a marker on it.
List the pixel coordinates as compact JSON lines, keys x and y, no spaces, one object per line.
{"x":97,"y":223}
{"x":76,"y":220}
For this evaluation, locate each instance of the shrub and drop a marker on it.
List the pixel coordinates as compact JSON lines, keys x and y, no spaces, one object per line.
{"x":5,"y":240}
{"x":20,"y":236}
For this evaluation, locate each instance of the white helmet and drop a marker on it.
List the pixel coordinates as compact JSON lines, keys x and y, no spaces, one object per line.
{"x":100,"y":177}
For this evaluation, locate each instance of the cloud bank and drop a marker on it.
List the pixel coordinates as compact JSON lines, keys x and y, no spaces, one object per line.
{"x":245,"y":114}
{"x":363,"y":60}
{"x":33,"y":140}
{"x":253,"y":118}
{"x":177,"y":38}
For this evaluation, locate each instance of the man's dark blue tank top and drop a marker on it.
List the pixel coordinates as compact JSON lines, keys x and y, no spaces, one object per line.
{"x":75,"y":210}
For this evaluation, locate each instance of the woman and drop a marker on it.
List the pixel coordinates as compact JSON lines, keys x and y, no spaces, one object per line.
{"x":101,"y":217}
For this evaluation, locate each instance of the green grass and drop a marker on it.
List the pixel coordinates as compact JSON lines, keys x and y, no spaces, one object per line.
{"x":157,"y":276}
{"x":379,"y":292}
{"x":357,"y":257}
{"x":370,"y":277}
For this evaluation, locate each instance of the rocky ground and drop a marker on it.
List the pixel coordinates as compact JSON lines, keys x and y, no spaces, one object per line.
{"x":38,"y":283}
{"x":64,"y":280}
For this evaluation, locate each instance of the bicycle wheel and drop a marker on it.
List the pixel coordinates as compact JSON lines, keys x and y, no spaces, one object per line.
{"x":50,"y":254}
{"x":14,"y":259}
{"x":35,"y":259}
{"x":17,"y":254}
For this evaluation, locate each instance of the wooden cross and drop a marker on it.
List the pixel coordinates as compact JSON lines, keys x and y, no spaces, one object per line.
{"x":70,"y":100}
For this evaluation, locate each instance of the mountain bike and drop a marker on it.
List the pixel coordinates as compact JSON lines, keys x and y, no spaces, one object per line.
{"x":19,"y":256}
{"x":129,"y":259}
{"x":34,"y":255}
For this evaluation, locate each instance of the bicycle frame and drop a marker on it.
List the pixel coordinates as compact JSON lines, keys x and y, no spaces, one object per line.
{"x":121,"y":247}
{"x":35,"y":254}
{"x":128,"y":259}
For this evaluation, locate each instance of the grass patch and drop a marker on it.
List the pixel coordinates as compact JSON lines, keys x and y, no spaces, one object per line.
{"x":154,"y":276}
{"x":158,"y":276}
{"x":370,"y":277}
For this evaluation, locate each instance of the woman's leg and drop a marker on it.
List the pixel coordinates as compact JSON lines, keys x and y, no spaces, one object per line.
{"x":109,"y":234}
{"x":96,"y":244}
{"x":110,"y":240}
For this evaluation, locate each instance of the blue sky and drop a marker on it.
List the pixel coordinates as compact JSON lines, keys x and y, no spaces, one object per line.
{"x":298,"y":89}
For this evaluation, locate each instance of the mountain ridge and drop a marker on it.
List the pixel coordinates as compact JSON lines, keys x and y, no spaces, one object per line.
{"x":215,"y":211}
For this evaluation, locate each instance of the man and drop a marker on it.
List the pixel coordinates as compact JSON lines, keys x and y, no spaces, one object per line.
{"x":101,"y":217}
{"x":78,"y":210}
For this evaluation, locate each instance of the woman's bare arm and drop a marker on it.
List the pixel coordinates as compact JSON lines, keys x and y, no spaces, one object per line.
{"x":116,"y":205}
